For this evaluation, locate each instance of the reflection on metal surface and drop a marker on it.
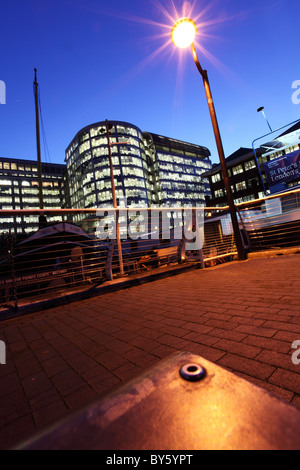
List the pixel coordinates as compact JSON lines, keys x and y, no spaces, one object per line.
{"x":160,"y":411}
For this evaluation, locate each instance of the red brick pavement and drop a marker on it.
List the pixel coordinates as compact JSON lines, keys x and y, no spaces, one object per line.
{"x":243,"y":316}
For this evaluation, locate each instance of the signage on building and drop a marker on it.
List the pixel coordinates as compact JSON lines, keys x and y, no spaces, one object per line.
{"x":284,"y":169}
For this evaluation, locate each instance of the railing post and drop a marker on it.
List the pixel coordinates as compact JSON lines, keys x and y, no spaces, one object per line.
{"x":110,"y":253}
{"x":10,"y":249}
{"x":181,"y":255}
{"x":248,"y":247}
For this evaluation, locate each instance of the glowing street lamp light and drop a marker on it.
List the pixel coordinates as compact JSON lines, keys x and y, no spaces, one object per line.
{"x":184,"y":32}
{"x":183,"y":35}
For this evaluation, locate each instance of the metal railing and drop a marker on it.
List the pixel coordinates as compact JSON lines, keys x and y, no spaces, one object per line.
{"x":273,"y":221}
{"x":71,"y":253}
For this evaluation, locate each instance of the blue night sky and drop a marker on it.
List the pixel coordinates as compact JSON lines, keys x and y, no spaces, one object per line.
{"x":113,"y":59}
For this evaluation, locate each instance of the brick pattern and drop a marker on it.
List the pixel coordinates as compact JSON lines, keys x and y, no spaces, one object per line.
{"x":243,"y":316}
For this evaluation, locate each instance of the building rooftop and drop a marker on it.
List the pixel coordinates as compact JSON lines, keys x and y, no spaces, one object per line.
{"x":179,"y":144}
{"x":238,"y":156}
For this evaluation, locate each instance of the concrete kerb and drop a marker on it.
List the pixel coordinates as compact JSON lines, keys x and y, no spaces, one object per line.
{"x":273,"y":252}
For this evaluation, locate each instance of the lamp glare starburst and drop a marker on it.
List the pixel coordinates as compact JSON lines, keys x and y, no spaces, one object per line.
{"x":184,"y":32}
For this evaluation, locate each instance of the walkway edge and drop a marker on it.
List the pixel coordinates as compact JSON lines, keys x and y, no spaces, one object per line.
{"x":108,"y":287}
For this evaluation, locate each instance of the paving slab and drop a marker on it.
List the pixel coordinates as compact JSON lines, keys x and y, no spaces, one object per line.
{"x":243,"y":316}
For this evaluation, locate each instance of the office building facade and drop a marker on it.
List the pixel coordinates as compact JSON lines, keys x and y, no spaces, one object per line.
{"x":88,"y":166}
{"x":148,"y":169}
{"x":274,"y":167}
{"x":19,"y":189}
{"x":178,"y":169}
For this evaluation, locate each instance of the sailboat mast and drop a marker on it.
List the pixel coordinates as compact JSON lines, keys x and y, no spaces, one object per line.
{"x":38,"y":145}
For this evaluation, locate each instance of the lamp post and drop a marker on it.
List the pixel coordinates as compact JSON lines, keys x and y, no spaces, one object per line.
{"x":183,"y":35}
{"x":264,"y":115}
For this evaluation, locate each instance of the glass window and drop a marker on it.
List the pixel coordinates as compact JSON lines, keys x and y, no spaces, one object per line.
{"x":253,"y":182}
{"x":190,"y":154}
{"x":84,"y":146}
{"x":127,"y":130}
{"x":240,"y":186}
{"x":84,"y":136}
{"x":100,"y":152}
{"x":249,"y":165}
{"x":129,"y":182}
{"x":219,"y":193}
{"x":262,"y":160}
{"x":215,"y":178}
{"x":102,"y":140}
{"x":237,"y":169}
{"x":177,"y":151}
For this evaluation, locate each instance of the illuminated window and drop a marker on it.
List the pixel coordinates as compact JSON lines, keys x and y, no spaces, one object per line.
{"x":127,"y":130}
{"x":99,"y":141}
{"x":5,"y":199}
{"x":237,"y":169}
{"x":249,"y":165}
{"x":32,"y":200}
{"x":84,"y":146}
{"x":240,"y":186}
{"x":190,"y":154}
{"x":98,"y":131}
{"x":99,"y":152}
{"x":128,"y":171}
{"x":219,"y":193}
{"x":215,"y":178}
{"x":30,"y":191}
{"x":128,"y":182}
{"x":262,"y":160}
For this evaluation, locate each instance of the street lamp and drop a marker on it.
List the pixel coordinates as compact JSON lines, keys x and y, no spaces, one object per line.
{"x":183,"y":35}
{"x":264,"y":115}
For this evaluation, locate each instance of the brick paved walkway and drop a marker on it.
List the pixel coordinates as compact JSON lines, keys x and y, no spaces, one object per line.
{"x":243,"y":316}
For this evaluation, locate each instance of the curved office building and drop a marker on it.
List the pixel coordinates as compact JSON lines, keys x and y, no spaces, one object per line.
{"x":148,"y":169}
{"x":88,"y":166}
